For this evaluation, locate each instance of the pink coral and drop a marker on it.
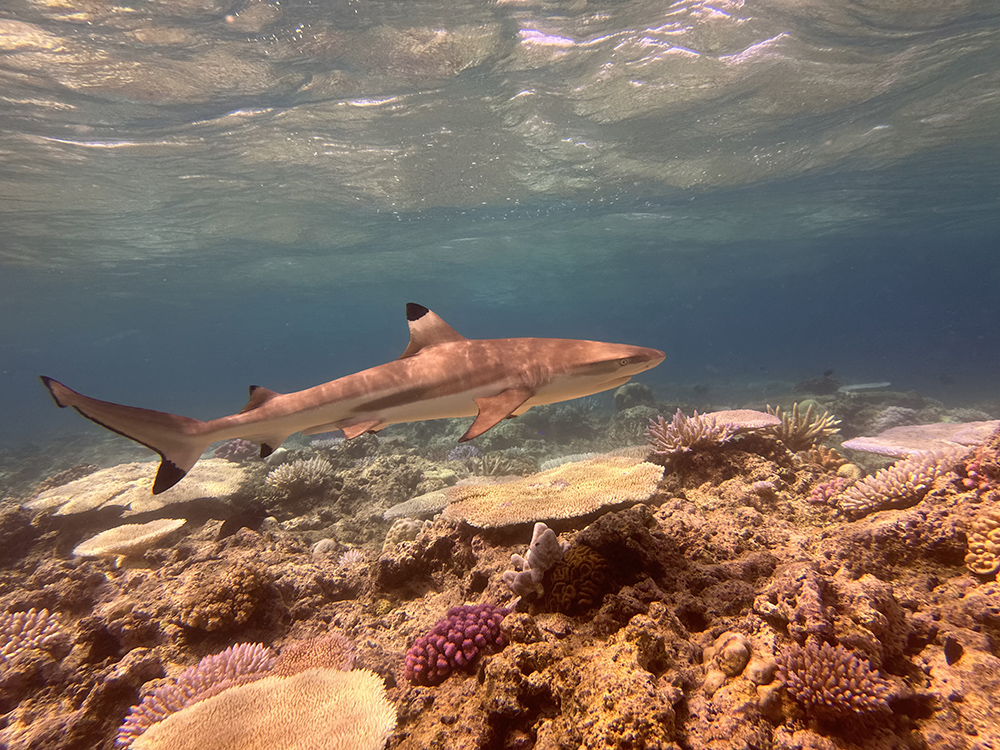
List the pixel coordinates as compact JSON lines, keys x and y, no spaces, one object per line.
{"x":455,"y":643}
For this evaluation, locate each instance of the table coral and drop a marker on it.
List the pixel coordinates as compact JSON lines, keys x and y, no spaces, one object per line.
{"x":128,"y":540}
{"x":455,"y":643}
{"x":320,"y":708}
{"x":567,"y":491}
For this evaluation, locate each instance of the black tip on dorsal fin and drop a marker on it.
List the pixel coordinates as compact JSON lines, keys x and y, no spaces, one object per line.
{"x":415,"y":311}
{"x":426,"y":329}
{"x":258,"y":397}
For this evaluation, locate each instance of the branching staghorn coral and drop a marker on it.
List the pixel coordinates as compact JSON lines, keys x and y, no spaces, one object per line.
{"x":827,"y":459}
{"x":684,"y":434}
{"x":305,"y":476}
{"x":899,"y":486}
{"x":799,"y":431}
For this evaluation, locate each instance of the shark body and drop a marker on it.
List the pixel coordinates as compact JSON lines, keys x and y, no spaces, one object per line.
{"x":441,"y":374}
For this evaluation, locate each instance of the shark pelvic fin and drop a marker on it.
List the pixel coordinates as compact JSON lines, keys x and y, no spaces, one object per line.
{"x":351,"y":431}
{"x":258,"y":397}
{"x":426,"y":329}
{"x":495,"y":409}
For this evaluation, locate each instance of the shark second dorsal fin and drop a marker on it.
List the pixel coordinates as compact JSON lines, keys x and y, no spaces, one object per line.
{"x":426,"y":329}
{"x":258,"y":397}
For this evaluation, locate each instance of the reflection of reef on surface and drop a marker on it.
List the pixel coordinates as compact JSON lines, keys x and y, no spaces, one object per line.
{"x":741,"y":602}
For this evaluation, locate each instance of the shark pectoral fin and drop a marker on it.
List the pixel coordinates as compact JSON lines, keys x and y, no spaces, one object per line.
{"x":360,"y":428}
{"x":258,"y":397}
{"x":494,"y":409}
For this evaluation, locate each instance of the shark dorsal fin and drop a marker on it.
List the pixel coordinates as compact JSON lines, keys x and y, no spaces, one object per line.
{"x":426,"y":329}
{"x":258,"y":397}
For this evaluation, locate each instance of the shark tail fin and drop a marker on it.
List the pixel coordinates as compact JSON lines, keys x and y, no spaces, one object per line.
{"x":180,"y":441}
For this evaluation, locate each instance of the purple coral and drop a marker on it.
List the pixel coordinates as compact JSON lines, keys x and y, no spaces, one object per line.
{"x":237,"y":665}
{"x":236,"y":450}
{"x":822,"y":493}
{"x":455,"y":643}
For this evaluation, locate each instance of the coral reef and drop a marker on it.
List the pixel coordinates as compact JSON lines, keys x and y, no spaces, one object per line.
{"x":914,"y":440}
{"x":831,"y":680}
{"x":455,"y":643}
{"x":402,"y":530}
{"x":575,"y":584}
{"x":220,"y":598}
{"x":302,"y":477}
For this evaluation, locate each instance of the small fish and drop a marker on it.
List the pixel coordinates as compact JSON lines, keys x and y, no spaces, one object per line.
{"x":441,"y":374}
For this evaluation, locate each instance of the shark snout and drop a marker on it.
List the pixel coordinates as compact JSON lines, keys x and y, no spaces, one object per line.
{"x":650,"y":358}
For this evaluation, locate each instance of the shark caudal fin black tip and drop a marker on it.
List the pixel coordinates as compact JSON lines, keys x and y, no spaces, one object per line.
{"x":415,"y":311}
{"x":167,"y":476}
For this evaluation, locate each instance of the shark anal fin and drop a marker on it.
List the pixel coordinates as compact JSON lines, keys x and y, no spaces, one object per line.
{"x":494,"y":409}
{"x":360,"y":428}
{"x":426,"y":329}
{"x":258,"y":397}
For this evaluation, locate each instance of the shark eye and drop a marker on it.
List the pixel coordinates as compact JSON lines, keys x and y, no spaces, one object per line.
{"x":624,"y":362}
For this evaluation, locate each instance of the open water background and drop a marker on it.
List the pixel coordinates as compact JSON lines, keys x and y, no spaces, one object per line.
{"x":197,"y":195}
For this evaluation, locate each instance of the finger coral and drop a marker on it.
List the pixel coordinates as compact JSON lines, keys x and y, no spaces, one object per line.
{"x":831,"y":680}
{"x":984,"y":542}
{"x":899,"y":486}
{"x":320,"y":709}
{"x":455,"y":643}
{"x":800,"y":431}
{"x":236,"y":665}
{"x":23,"y":631}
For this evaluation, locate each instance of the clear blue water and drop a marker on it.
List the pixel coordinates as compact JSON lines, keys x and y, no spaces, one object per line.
{"x":197,"y":196}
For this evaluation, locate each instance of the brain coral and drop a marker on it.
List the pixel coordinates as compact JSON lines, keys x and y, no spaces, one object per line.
{"x":831,"y":680}
{"x":899,"y":486}
{"x":455,"y":643}
{"x":567,"y":491}
{"x":575,"y":584}
{"x":319,"y":709}
{"x":984,"y":542}
{"x":213,"y":674}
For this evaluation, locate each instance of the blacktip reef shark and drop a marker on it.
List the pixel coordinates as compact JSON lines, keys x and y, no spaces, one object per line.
{"x":441,"y":374}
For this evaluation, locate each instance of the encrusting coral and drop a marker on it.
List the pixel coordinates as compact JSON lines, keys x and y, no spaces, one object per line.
{"x":899,"y":486}
{"x":800,"y":431}
{"x":319,"y":709}
{"x":830,"y":680}
{"x":567,"y":491}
